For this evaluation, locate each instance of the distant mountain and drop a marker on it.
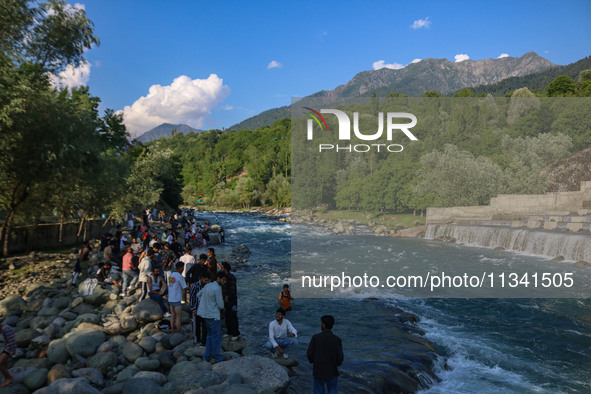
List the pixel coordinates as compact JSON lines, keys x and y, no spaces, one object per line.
{"x":165,"y":130}
{"x":536,"y":81}
{"x":429,"y":74}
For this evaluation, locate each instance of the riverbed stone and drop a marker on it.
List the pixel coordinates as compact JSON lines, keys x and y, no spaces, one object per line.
{"x":84,"y":342}
{"x":12,"y":305}
{"x":74,"y":386}
{"x":58,"y":371}
{"x":127,"y":373}
{"x":234,"y":346}
{"x":257,"y":371}
{"x":20,"y":373}
{"x":36,"y":379}
{"x":131,"y":351}
{"x":93,"y":375}
{"x":157,"y":377}
{"x":148,"y":344}
{"x":103,"y":361}
{"x":167,"y":360}
{"x":147,"y":311}
{"x":145,"y":364}
{"x":185,"y":376}
{"x":140,"y":386}
{"x":24,"y":337}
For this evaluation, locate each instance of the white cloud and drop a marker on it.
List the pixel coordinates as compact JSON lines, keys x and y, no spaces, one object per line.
{"x":461,"y":57}
{"x":72,"y":76}
{"x":274,"y":64}
{"x":185,"y":101}
{"x":415,"y":61}
{"x":502,"y":55}
{"x":420,"y":23}
{"x":228,"y":107}
{"x":382,"y":64}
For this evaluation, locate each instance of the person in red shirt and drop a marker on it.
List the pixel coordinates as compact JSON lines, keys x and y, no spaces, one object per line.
{"x":128,"y":272}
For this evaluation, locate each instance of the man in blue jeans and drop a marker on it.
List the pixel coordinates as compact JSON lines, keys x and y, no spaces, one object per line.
{"x":282,"y":335}
{"x":325,"y":351}
{"x":211,"y":302}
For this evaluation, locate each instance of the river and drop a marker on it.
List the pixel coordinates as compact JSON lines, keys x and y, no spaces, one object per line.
{"x":468,"y":345}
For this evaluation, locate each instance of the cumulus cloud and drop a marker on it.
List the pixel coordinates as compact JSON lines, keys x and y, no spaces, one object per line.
{"x":420,"y":23}
{"x":71,"y":77}
{"x":461,"y":57}
{"x":382,"y":64}
{"x":274,"y":64}
{"x":502,"y":55}
{"x":185,"y":101}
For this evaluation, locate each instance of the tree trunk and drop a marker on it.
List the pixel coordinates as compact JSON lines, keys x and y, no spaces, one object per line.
{"x":80,"y":227}
{"x":60,"y":239}
{"x":106,"y":221}
{"x":6,"y":228}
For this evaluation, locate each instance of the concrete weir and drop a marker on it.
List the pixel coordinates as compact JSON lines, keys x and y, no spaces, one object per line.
{"x":550,"y":224}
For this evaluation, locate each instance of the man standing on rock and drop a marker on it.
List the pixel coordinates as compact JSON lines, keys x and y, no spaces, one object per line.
{"x":145,"y":268}
{"x":82,"y":261}
{"x":128,"y":272}
{"x":199,"y":327}
{"x":176,"y":293}
{"x":325,"y":351}
{"x":211,"y":302}
{"x":9,"y":351}
{"x":282,"y":335}
{"x":231,"y":302}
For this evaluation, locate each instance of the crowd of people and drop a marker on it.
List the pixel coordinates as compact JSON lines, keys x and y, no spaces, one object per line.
{"x":162,"y":267}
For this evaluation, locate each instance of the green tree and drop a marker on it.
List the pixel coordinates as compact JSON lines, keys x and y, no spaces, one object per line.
{"x":563,"y":85}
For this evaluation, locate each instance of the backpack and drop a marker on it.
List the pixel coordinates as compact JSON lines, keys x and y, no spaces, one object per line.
{"x":163,"y":324}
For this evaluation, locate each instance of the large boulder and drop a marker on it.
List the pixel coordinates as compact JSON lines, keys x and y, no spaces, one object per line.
{"x":24,"y":337}
{"x":98,"y":297}
{"x":93,"y":375}
{"x":141,"y":386}
{"x":58,"y":371}
{"x":186,"y":376}
{"x":12,"y":305}
{"x":234,"y":346}
{"x":157,"y":377}
{"x":148,"y":344}
{"x":103,"y":361}
{"x":84,"y":342}
{"x":259,"y":372}
{"x":73,"y":386}
{"x":147,"y":311}
{"x":20,"y":373}
{"x":131,"y":351}
{"x":36,"y":379}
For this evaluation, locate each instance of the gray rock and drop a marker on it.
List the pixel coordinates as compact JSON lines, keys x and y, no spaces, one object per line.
{"x":286,"y":362}
{"x":36,"y":379}
{"x":257,"y":371}
{"x":20,"y":373}
{"x":193,"y":352}
{"x":71,"y":386}
{"x":117,"y":388}
{"x":113,"y":328}
{"x":93,"y":375}
{"x":15,"y":388}
{"x":118,"y":340}
{"x":145,"y":364}
{"x":12,"y":305}
{"x":11,"y":320}
{"x":127,"y":373}
{"x":40,"y":342}
{"x":61,"y":302}
{"x":40,"y":322}
{"x":102,"y":361}
{"x":84,"y":342}
{"x":24,"y":337}
{"x":48,"y":311}
{"x":230,"y":355}
{"x":52,"y":330}
{"x":165,"y":342}
{"x":57,"y":372}
{"x":147,"y":311}
{"x":131,"y":351}
{"x":98,"y":297}
{"x":176,"y":339}
{"x":189,"y":376}
{"x":157,"y":377}
{"x":167,"y":360}
{"x":128,"y":324}
{"x":234,"y":346}
{"x":249,"y":351}
{"x":148,"y":344}
{"x":78,"y":361}
{"x":106,"y":347}
{"x":141,"y":386}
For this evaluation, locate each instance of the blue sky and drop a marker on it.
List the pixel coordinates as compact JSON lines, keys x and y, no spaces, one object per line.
{"x":213,"y":60}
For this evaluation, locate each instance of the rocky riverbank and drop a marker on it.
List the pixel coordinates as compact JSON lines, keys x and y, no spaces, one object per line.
{"x":68,"y":342}
{"x":351,"y":226}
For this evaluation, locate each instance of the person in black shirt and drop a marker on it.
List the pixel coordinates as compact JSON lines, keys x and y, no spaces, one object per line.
{"x":230,"y":302}
{"x":325,"y":351}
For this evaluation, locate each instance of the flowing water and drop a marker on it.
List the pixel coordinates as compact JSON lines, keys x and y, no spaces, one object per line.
{"x":489,"y":345}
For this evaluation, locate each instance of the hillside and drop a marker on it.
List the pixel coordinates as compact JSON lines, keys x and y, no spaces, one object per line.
{"x":566,"y":175}
{"x":430,"y":74}
{"x":534,"y":81}
{"x":165,"y":130}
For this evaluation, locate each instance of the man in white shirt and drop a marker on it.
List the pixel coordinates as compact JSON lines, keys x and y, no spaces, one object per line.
{"x":211,"y":302}
{"x":188,"y":259}
{"x":176,"y":293}
{"x":282,"y":335}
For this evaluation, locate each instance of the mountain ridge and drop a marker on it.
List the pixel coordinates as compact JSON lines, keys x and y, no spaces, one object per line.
{"x":165,"y":130}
